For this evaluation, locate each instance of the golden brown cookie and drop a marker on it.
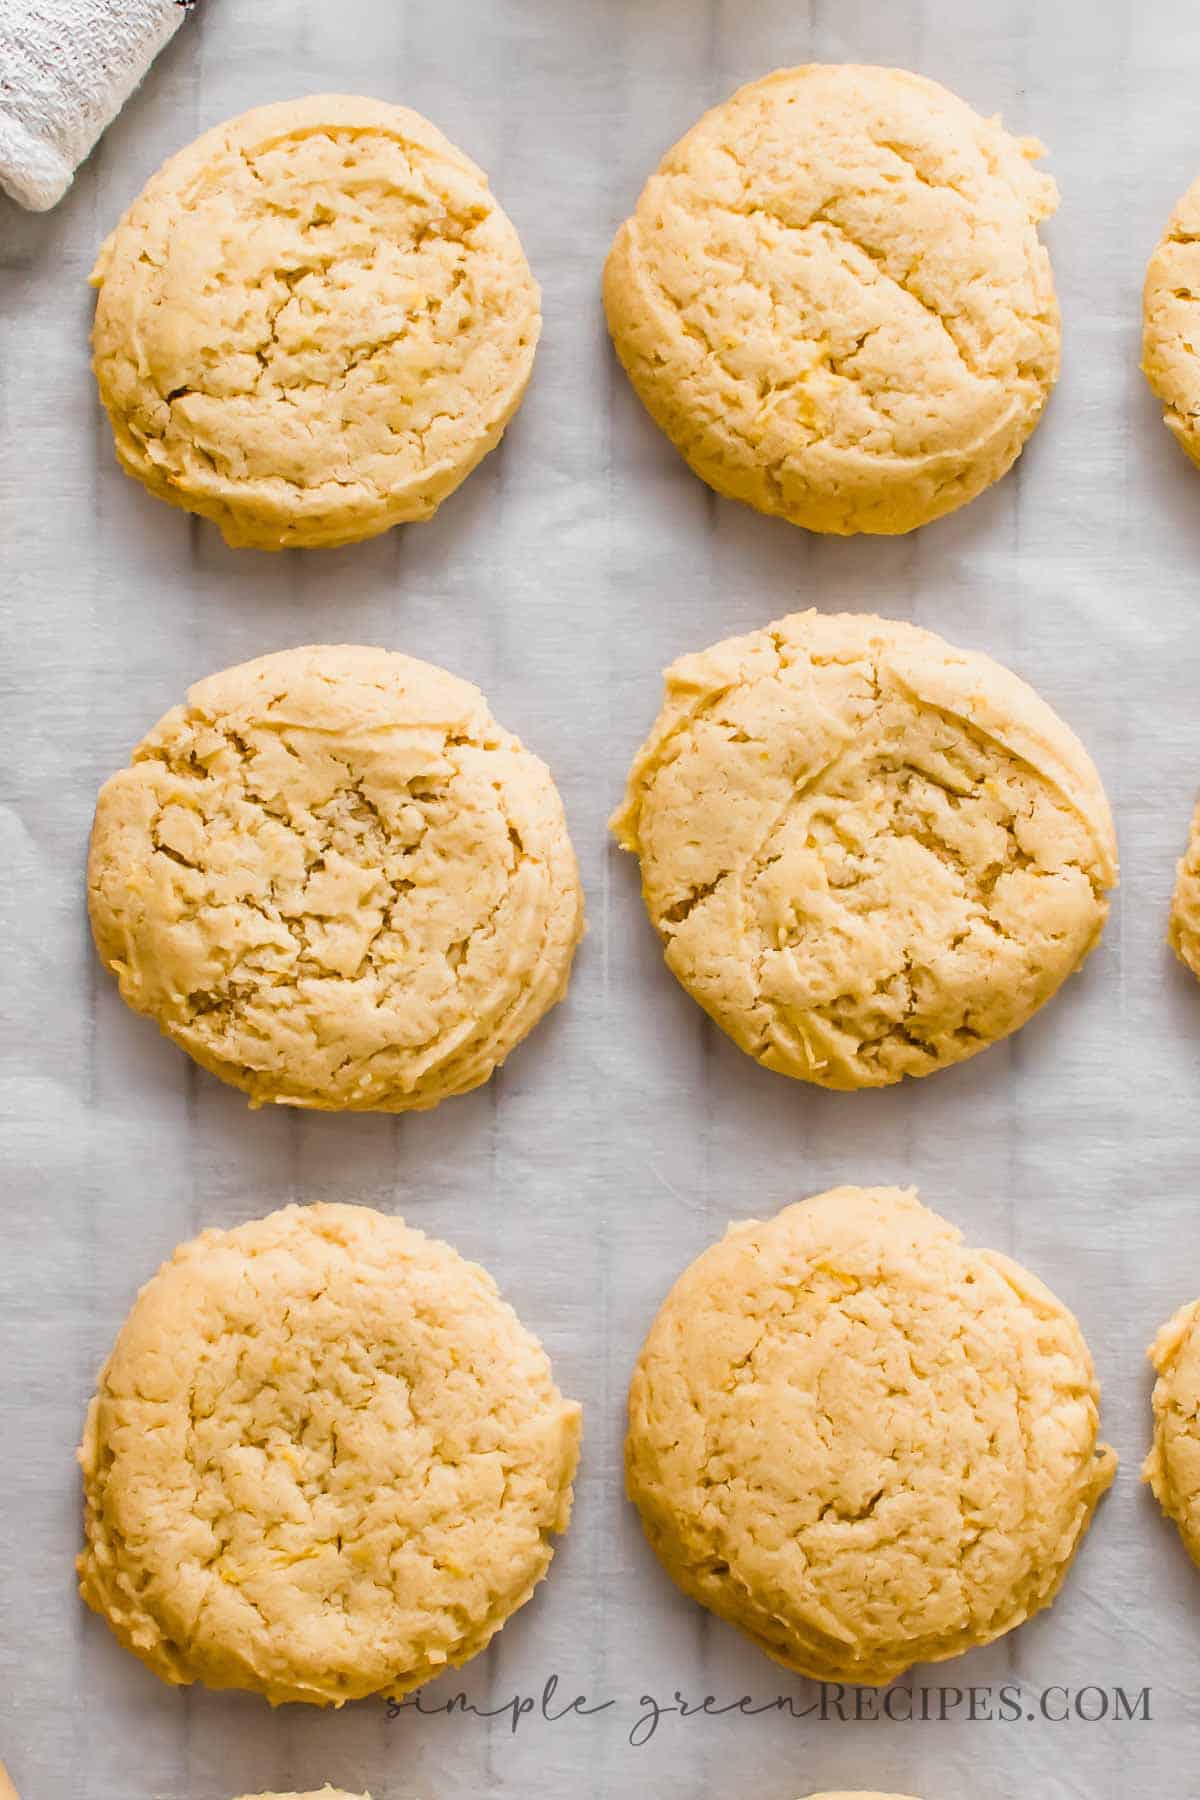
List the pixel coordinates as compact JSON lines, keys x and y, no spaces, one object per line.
{"x":325,"y":1460}
{"x":1173,"y":1465}
{"x":868,"y":854}
{"x":1184,"y":930}
{"x":862,"y":1442}
{"x":1171,"y":323}
{"x":336,"y":882}
{"x":313,"y":323}
{"x":833,"y":299}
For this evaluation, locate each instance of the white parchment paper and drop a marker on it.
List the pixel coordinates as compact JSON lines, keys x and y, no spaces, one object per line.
{"x":618,"y":1141}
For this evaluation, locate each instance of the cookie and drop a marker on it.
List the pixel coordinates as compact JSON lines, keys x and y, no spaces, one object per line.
{"x":860,"y":1794}
{"x":1184,"y":930}
{"x":328,"y":1793}
{"x":1173,"y":1465}
{"x":336,"y":882}
{"x":833,"y":300}
{"x":861,"y":1442}
{"x":868,"y":854}
{"x":325,"y":1460}
{"x":1171,"y":323}
{"x":312,"y":323}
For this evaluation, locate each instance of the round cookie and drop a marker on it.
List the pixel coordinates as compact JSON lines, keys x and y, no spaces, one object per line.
{"x":328,"y":1793}
{"x":312,"y":323}
{"x":1184,"y":930}
{"x":1171,"y":323}
{"x":336,"y":882}
{"x":1173,"y":1465}
{"x":833,"y":300}
{"x":325,"y":1460}
{"x":861,"y":1442}
{"x":868,"y":854}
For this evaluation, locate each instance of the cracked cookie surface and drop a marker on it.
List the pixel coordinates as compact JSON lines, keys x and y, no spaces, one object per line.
{"x":868,"y":854}
{"x":336,"y":882}
{"x":1184,"y":931}
{"x":1171,"y":323}
{"x":1173,"y":1466}
{"x":313,"y":323}
{"x":833,"y":300}
{"x":325,"y":1460}
{"x":861,"y":1442}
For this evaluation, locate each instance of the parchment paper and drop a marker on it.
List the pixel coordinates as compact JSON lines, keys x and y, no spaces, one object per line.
{"x":618,"y":1141}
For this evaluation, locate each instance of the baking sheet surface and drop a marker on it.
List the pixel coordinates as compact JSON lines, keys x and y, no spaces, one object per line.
{"x":618,"y":1141}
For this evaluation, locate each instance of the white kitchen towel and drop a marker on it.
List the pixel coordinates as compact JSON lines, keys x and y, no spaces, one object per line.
{"x":66,"y":69}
